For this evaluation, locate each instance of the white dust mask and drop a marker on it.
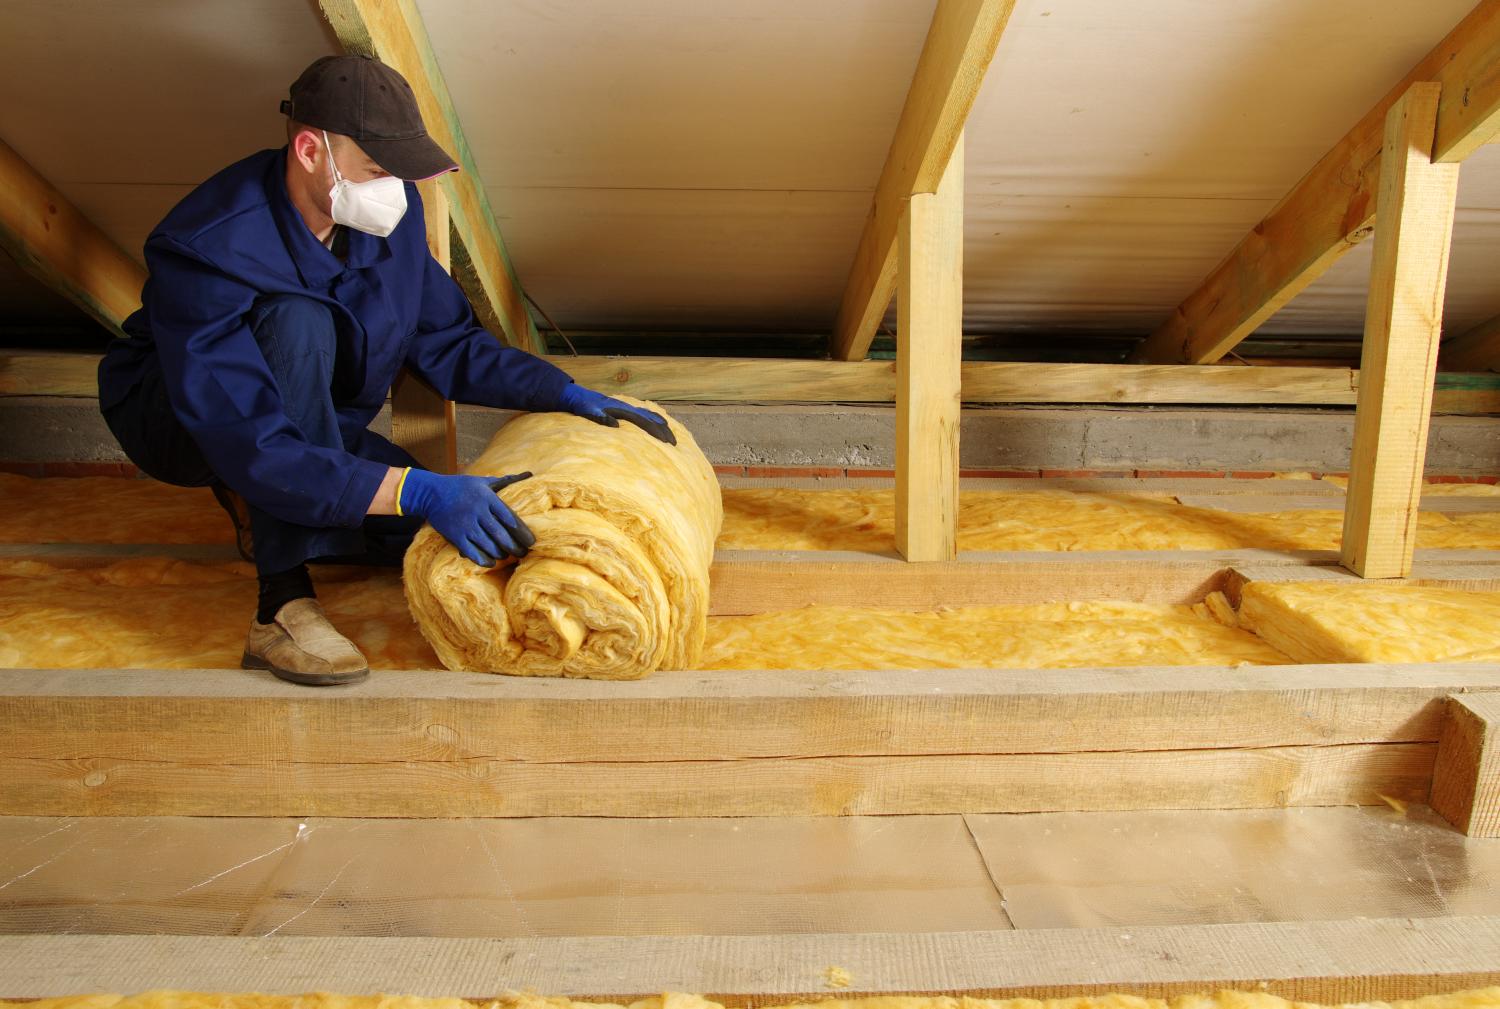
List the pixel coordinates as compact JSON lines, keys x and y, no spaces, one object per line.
{"x":374,"y":207}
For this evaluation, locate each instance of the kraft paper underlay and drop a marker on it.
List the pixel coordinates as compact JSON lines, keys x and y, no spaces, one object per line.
{"x":1483,"y":998}
{"x":616,"y":585}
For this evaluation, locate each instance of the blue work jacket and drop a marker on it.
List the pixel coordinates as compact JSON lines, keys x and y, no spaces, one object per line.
{"x":236,"y":238}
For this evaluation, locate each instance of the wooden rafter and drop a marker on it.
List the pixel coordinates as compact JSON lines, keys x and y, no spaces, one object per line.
{"x":960,"y":44}
{"x":393,"y":31}
{"x":52,"y":240}
{"x":1403,"y":321}
{"x":1333,"y":207}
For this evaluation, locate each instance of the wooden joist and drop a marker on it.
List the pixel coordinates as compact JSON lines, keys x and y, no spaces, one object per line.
{"x":393,"y":31}
{"x":422,"y":421}
{"x":1403,"y":323}
{"x":960,"y":44}
{"x":223,"y":742}
{"x":759,"y":581}
{"x":1333,"y":207}
{"x":1466,"y":780}
{"x":1329,"y":962}
{"x":53,"y":241}
{"x":754,"y":380}
{"x":929,"y":352}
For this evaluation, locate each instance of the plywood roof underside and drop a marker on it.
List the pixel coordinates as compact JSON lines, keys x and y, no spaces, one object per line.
{"x":707,"y":165}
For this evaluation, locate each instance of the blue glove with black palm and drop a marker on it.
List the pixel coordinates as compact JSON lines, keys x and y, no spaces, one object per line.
{"x":606,"y":410}
{"x":468,"y":512}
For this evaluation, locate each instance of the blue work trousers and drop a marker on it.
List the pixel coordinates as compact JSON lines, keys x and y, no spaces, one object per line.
{"x":296,"y":335}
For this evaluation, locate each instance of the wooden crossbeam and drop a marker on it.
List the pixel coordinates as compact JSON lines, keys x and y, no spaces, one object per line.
{"x":1334,"y":207}
{"x":393,"y":31}
{"x":1403,"y":323}
{"x":757,"y":380}
{"x":1477,"y":349}
{"x":433,"y":743}
{"x":960,"y":44}
{"x":929,"y":351}
{"x":423,"y":422}
{"x":1466,"y":778}
{"x":53,"y":241}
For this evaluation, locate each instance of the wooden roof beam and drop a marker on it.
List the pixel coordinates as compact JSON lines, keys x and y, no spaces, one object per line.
{"x":393,"y":31}
{"x":1333,"y":207}
{"x":52,"y":240}
{"x":960,"y":44}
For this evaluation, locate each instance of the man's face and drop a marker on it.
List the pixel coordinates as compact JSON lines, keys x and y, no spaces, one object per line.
{"x":353,"y":163}
{"x":312,"y":158}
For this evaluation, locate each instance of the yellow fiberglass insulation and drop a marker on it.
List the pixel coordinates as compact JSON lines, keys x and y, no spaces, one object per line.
{"x":617,"y":583}
{"x":1360,"y":622}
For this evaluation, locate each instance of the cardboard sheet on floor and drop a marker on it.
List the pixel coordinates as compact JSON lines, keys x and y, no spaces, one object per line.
{"x":555,"y":876}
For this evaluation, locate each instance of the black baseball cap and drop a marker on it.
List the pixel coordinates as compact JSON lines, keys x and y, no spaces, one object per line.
{"x":364,"y":99}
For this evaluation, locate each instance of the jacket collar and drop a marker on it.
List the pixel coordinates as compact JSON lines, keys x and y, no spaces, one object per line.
{"x":315,"y":264}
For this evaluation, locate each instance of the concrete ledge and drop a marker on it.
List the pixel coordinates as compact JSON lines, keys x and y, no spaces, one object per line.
{"x":51,"y":429}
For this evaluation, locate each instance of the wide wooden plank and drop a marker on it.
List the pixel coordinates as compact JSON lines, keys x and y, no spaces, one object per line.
{"x":757,"y":380}
{"x":1330,"y":962}
{"x":1353,"y":774}
{"x":754,"y":581}
{"x":1333,"y":207}
{"x":422,"y":421}
{"x":232,"y":717}
{"x":393,"y":31}
{"x":929,"y":351}
{"x":960,"y":44}
{"x":1403,"y":324}
{"x":52,"y":240}
{"x":1466,"y":780}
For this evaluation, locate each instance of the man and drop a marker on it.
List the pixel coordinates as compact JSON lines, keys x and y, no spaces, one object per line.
{"x":284,"y":295}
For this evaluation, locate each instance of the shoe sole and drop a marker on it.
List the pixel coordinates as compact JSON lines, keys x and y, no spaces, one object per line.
{"x":249,"y":661}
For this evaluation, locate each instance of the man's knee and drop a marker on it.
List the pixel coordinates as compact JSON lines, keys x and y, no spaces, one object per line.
{"x":291,"y":329}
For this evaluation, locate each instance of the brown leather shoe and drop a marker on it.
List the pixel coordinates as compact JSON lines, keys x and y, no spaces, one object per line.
{"x":239,"y":516}
{"x":301,"y":646}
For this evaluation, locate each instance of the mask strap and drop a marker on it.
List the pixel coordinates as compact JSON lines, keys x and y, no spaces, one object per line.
{"x":337,"y":178}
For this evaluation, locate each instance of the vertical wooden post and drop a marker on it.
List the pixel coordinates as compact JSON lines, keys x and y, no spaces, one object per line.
{"x":929,"y":346}
{"x":1403,"y":322}
{"x":422,"y":422}
{"x":1466,"y":776}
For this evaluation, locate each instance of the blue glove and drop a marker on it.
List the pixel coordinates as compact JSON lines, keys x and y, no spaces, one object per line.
{"x":602,"y":409}
{"x":468,"y":512}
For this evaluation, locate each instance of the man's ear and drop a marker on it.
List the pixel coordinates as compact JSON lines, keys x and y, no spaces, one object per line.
{"x":304,"y":147}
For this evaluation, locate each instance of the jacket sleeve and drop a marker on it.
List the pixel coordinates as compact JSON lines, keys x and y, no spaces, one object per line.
{"x":225,"y":395}
{"x":464,"y":362}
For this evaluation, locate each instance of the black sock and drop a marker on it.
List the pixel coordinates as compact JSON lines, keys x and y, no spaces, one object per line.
{"x":281,"y":588}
